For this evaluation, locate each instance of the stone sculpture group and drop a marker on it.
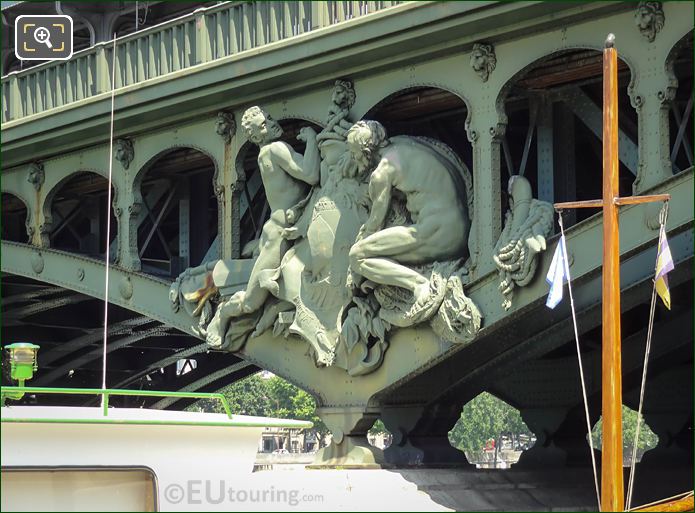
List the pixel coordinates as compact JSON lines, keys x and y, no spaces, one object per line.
{"x":367,"y":233}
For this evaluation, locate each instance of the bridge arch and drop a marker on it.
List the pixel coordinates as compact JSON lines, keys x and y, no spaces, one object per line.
{"x":174,"y":190}
{"x":423,"y":109}
{"x":551,"y":110}
{"x":16,"y":218}
{"x":74,"y":214}
{"x":376,"y":97}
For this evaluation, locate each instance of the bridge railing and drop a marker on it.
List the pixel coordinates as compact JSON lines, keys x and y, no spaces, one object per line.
{"x":202,"y":36}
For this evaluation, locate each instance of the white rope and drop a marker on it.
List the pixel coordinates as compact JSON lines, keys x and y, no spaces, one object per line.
{"x":663,"y":215}
{"x":579,"y":359}
{"x":108,"y":222}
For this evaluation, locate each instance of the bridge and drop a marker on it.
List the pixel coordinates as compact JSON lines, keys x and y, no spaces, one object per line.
{"x":511,"y":88}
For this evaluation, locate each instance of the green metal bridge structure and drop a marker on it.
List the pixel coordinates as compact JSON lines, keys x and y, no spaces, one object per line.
{"x":187,"y":191}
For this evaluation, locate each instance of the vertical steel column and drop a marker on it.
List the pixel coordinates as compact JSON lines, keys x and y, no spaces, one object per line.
{"x":545,"y":150}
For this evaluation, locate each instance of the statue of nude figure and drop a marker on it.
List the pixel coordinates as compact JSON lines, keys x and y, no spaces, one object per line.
{"x":440,"y":223}
{"x":285,"y":174}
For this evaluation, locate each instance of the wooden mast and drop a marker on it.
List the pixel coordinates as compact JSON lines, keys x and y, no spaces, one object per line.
{"x":612,"y":498}
{"x":612,"y":491}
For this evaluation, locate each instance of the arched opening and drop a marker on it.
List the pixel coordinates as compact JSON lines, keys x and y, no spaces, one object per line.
{"x":681,"y":118}
{"x":79,"y":213}
{"x":491,"y":433}
{"x":14,"y":218}
{"x":253,"y":207}
{"x":554,"y":129}
{"x":646,"y":441}
{"x":426,"y":112}
{"x":178,"y":221}
{"x":379,"y":436}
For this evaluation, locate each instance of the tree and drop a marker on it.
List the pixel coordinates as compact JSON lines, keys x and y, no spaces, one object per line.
{"x":268,"y":397}
{"x":378,"y":427}
{"x":294,"y":403}
{"x":485,"y":418}
{"x":647,"y":438}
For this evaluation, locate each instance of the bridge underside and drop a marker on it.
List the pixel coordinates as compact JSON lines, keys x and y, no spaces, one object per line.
{"x":143,"y":353}
{"x":189,"y":192}
{"x":531,"y":365}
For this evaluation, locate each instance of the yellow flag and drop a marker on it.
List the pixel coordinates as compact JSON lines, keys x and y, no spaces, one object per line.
{"x":664,"y":265}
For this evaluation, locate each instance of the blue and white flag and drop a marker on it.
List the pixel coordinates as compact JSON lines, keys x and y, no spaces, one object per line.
{"x":558,"y":274}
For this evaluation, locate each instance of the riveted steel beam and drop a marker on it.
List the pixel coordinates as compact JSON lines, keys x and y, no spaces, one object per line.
{"x":164,"y":362}
{"x":76,"y":363}
{"x":202,"y":382}
{"x":120,"y":328}
{"x":682,"y":123}
{"x":590,"y":114}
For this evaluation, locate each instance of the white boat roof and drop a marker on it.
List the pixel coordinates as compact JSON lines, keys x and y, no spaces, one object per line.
{"x":140,"y":416}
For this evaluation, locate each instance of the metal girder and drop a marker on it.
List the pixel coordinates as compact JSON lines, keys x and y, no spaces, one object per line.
{"x":200,"y":383}
{"x":45,"y":379}
{"x":217,"y":384}
{"x":66,"y":220}
{"x":151,"y":198}
{"x":682,"y":122}
{"x":545,"y":150}
{"x":510,"y":339}
{"x":517,"y":386}
{"x":42,"y":306}
{"x":533,"y":116}
{"x":185,"y":232}
{"x":591,"y":115}
{"x":121,"y":328}
{"x":213,"y":251}
{"x":423,"y":378}
{"x":155,"y":224}
{"x":564,"y":158}
{"x":32,"y":295}
{"x":164,"y":362}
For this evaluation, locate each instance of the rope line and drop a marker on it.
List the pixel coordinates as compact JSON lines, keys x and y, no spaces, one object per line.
{"x":579,"y":359}
{"x":108,"y":221}
{"x":663,"y":215}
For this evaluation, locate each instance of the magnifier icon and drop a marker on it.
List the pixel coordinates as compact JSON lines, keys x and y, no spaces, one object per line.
{"x":43,"y":36}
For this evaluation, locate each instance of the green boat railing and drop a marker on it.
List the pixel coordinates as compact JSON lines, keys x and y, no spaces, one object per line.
{"x":10,"y":392}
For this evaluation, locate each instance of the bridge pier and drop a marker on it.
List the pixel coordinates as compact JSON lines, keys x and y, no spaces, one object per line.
{"x":349,"y":447}
{"x":421,"y":435}
{"x":669,"y":415}
{"x":545,"y":424}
